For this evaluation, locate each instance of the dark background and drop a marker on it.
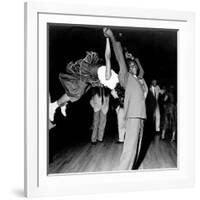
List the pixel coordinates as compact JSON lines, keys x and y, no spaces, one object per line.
{"x":155,"y":48}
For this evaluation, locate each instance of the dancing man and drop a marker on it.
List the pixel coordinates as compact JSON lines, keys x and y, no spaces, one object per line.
{"x":134,"y":105}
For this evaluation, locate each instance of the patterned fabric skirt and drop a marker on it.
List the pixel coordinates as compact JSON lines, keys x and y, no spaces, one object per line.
{"x":80,"y":76}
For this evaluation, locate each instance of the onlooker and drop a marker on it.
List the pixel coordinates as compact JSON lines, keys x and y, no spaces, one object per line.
{"x":169,"y":119}
{"x":155,"y":91}
{"x":100,"y":105}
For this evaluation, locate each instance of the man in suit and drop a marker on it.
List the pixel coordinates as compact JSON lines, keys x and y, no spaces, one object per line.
{"x":155,"y":91}
{"x":100,"y":102}
{"x":100,"y":105}
{"x":134,"y":105}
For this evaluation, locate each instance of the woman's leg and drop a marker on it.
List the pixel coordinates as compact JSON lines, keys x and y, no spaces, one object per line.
{"x":173,"y":123}
{"x":62,"y":101}
{"x":163,"y":134}
{"x":102,"y":125}
{"x":173,"y":136}
{"x":96,"y":117}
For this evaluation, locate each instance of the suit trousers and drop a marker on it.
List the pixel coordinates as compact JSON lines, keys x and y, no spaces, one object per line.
{"x":157,"y":119}
{"x":99,"y":123}
{"x":132,"y":143}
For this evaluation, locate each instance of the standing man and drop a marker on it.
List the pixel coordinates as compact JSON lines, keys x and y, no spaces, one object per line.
{"x":100,"y":99}
{"x":155,"y":92}
{"x":100,"y":105}
{"x":134,"y":105}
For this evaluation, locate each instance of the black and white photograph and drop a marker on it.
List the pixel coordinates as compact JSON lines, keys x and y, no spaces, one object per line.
{"x":112,"y":98}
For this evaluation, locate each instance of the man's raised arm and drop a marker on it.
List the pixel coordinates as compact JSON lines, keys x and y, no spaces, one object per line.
{"x":141,"y":71}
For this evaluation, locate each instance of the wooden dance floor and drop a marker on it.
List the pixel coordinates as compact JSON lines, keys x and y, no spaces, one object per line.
{"x":86,"y":157}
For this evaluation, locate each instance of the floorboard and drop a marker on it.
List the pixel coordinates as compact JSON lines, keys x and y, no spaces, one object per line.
{"x":87,"y":157}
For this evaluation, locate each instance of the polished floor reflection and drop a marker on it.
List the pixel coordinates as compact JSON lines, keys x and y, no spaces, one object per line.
{"x":87,"y":157}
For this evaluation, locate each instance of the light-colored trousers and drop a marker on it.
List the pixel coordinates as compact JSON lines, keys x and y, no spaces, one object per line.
{"x":121,"y":123}
{"x":100,"y":116}
{"x":157,"y":118}
{"x":132,"y":143}
{"x":99,"y":123}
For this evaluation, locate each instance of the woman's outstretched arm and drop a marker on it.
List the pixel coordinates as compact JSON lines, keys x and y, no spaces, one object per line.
{"x":107,"y":58}
{"x":123,"y":72}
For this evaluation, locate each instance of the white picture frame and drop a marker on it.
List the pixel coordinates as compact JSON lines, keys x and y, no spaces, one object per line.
{"x":37,"y":182}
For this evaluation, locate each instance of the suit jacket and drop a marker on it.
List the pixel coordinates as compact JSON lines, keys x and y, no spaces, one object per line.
{"x":134,"y":103}
{"x":155,"y":91}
